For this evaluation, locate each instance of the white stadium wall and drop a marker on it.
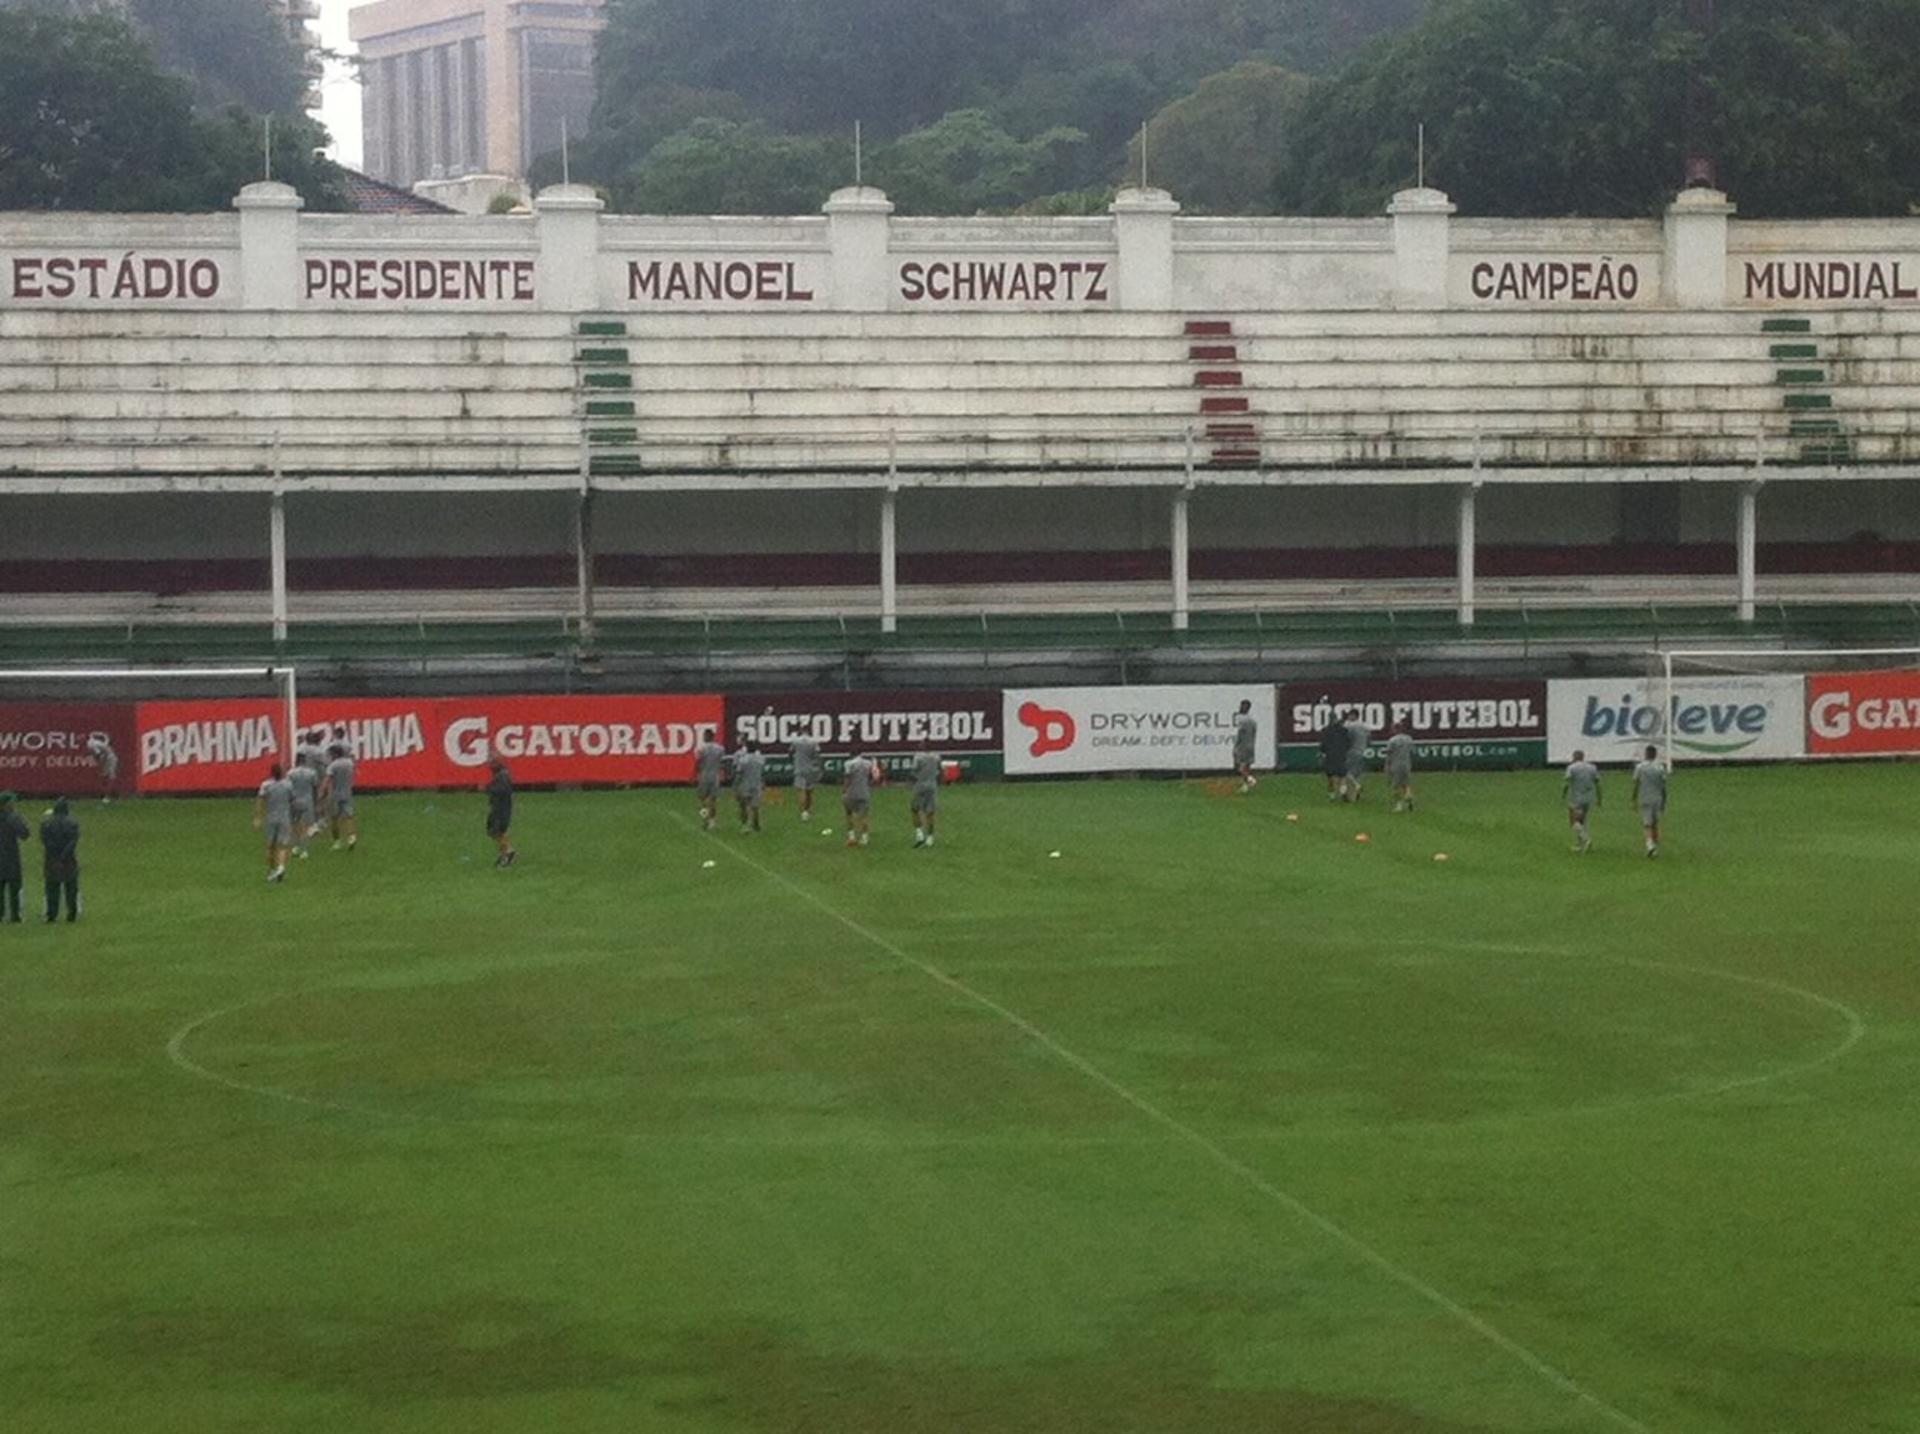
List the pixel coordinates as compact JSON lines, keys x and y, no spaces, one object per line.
{"x":1064,"y":399}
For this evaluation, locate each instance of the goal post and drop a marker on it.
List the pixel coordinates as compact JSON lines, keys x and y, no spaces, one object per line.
{"x":1684,"y":727}
{"x":127,"y":688}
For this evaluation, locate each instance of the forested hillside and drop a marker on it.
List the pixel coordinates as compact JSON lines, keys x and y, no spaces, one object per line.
{"x":1255,"y":106}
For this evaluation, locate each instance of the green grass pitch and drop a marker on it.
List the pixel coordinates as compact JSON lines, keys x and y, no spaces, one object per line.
{"x":1216,"y":1122}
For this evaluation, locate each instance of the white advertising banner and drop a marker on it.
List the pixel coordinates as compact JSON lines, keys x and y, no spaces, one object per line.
{"x":1715,"y":719}
{"x":1122,"y":729}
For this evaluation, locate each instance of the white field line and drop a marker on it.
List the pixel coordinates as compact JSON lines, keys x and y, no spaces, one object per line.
{"x":1406,"y":1278}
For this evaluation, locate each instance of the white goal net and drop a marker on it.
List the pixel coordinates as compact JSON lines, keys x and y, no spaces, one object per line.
{"x":1730,"y":705}
{"x":104,"y":732}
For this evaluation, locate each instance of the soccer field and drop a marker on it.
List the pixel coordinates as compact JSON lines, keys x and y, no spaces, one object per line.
{"x":1214,"y":1122}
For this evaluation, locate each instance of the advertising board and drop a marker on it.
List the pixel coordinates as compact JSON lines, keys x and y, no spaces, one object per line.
{"x":1454,"y":723}
{"x":402,"y":742}
{"x":1863,"y":714}
{"x":1059,"y":730}
{"x":1714,"y":719}
{"x":962,"y":724}
{"x":43,"y":747}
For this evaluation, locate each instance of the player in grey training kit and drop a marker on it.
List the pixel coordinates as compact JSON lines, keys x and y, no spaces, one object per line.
{"x":1650,"y":795}
{"x":1246,"y":732}
{"x":1400,"y":767}
{"x":1582,"y":791}
{"x":709,"y":763}
{"x":337,"y":793}
{"x":749,"y":785}
{"x":926,"y":796}
{"x":273,"y":814}
{"x":806,"y":773}
{"x":1358,"y":735}
{"x":856,"y":797}
{"x":306,"y":789}
{"x":106,"y":762}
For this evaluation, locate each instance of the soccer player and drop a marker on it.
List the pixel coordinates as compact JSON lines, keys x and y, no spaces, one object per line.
{"x":273,"y":814}
{"x":500,"y":813}
{"x":311,"y":756}
{"x":1333,"y":756}
{"x":106,"y":762}
{"x":806,"y":773}
{"x":1582,"y":791}
{"x":1400,"y":767}
{"x":1246,"y":728}
{"x":305,"y":786}
{"x":1650,"y":795}
{"x":926,"y":796}
{"x":13,"y":831}
{"x":856,"y":797}
{"x":1358,"y":735}
{"x":60,"y":850}
{"x":749,"y":785}
{"x":337,"y":793}
{"x":709,"y":761}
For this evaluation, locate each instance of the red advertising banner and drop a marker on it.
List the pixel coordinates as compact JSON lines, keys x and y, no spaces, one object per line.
{"x":962,"y":723}
{"x":1863,"y":713}
{"x":44,"y":751}
{"x":1464,"y":722}
{"x":406,"y":742}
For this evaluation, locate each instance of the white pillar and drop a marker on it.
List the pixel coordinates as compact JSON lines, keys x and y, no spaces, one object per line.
{"x":569,"y":264}
{"x":269,"y":245}
{"x":1696,"y":249}
{"x":583,"y":562}
{"x":859,"y":234}
{"x":277,"y":559}
{"x":1422,"y":247}
{"x":889,"y":562}
{"x":1748,"y":546}
{"x":1469,"y":492}
{"x":1181,"y":498}
{"x":1143,"y":241}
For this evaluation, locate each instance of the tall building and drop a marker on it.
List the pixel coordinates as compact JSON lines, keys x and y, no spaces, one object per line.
{"x":453,"y":87}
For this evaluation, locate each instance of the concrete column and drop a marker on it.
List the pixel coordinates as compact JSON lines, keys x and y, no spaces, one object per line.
{"x":569,"y":268}
{"x":269,"y":245}
{"x":889,"y":562}
{"x":1695,"y":271}
{"x":1747,"y":545}
{"x":277,"y":559}
{"x":1182,"y":497}
{"x":858,"y":223}
{"x":1143,"y":232}
{"x":583,"y":562}
{"x":1469,"y":494}
{"x":1422,"y":247}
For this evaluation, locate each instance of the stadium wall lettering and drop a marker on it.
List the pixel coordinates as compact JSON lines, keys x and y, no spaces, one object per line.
{"x":129,"y":277}
{"x":1857,"y":714}
{"x":1455,"y":723}
{"x":701,"y":282}
{"x":43,"y":746}
{"x":1853,"y":280}
{"x":400,"y":743}
{"x":961,"y":724}
{"x":1058,"y":730}
{"x":1006,"y":281}
{"x":1714,"y":719}
{"x":1601,"y":280}
{"x":415,"y":279}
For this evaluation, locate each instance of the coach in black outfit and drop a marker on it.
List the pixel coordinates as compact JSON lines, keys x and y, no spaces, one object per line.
{"x":13,"y":831}
{"x":60,"y":845}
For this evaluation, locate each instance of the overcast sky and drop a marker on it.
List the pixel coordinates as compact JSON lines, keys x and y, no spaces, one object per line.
{"x":339,"y":92}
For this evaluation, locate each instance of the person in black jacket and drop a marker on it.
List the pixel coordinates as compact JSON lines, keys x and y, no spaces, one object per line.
{"x":60,"y":847}
{"x":1334,"y":742}
{"x":13,"y":831}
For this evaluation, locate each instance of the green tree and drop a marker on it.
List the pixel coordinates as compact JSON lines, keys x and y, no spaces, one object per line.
{"x":1543,"y":107}
{"x":964,"y":163}
{"x":1219,"y":148}
{"x":722,"y":167}
{"x":233,"y":51}
{"x":88,"y":121}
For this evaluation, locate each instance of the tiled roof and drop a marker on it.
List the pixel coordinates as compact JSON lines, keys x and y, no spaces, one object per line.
{"x":367,"y":195}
